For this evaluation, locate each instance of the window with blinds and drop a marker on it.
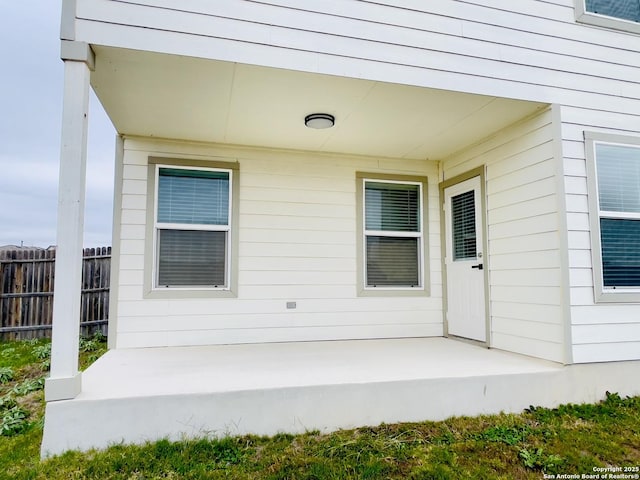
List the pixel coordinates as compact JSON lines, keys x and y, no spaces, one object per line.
{"x":622,"y":9}
{"x":393,"y":234}
{"x":192,"y":227}
{"x":463,"y":219}
{"x":618,"y":182}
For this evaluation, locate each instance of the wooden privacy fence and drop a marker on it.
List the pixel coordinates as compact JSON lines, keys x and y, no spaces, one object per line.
{"x":26,"y":291}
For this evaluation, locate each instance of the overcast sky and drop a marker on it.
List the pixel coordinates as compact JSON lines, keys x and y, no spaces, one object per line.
{"x":31,"y":79}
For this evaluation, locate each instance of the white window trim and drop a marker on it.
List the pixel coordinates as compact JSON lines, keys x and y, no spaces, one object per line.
{"x":384,"y":233}
{"x":605,"y":21}
{"x":200,"y":227}
{"x":604,"y":294}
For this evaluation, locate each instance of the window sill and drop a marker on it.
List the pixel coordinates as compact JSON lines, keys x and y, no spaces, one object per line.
{"x":617,"y":296}
{"x":178,"y":294}
{"x":393,"y":292}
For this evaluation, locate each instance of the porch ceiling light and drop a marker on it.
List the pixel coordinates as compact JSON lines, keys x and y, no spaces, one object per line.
{"x":319,"y":120}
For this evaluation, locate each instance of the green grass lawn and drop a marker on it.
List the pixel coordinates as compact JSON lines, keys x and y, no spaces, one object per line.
{"x":572,"y":439}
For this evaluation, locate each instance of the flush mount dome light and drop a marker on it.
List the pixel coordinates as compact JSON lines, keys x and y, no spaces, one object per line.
{"x":319,"y":120}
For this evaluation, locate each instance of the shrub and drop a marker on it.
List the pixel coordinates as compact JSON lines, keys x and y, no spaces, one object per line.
{"x":92,"y":344}
{"x":7,"y":352}
{"x":6,"y":374}
{"x":7,"y":402}
{"x":42,"y":351}
{"x":14,"y":421}
{"x":508,"y":435}
{"x":537,"y":459}
{"x":29,"y":385}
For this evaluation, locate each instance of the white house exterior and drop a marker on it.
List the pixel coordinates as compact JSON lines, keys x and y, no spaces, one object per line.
{"x":481,"y":182}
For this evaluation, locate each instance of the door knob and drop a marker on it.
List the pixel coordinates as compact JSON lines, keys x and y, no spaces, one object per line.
{"x":478,"y":266}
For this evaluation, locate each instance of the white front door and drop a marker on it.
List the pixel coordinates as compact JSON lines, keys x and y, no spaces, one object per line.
{"x":464,"y":260}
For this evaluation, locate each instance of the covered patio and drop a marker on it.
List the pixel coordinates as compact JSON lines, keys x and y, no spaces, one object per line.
{"x":135,"y":395}
{"x":227,"y":104}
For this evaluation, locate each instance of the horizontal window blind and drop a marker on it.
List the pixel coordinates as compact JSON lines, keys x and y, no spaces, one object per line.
{"x":623,"y":9}
{"x":393,"y":233}
{"x":463,"y":219}
{"x":620,"y":240}
{"x":193,"y":197}
{"x":392,"y":207}
{"x":191,"y":258}
{"x":192,"y":228}
{"x":392,"y":261}
{"x":618,"y":177}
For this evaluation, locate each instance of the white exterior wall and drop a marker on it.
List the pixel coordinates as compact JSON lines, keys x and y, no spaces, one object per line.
{"x":602,"y":331}
{"x":530,"y":49}
{"x":297,"y":242}
{"x":523,"y":219}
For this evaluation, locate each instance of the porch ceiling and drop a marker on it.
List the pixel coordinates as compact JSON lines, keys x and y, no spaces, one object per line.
{"x":150,"y":94}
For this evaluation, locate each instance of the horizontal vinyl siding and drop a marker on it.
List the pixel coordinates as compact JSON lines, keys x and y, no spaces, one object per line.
{"x":522,"y":223}
{"x":297,"y":242}
{"x":604,"y":331}
{"x":531,"y":50}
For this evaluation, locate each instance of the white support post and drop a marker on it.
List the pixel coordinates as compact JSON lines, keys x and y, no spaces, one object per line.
{"x":65,"y":380}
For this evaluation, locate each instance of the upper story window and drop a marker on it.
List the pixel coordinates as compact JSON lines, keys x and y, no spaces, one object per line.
{"x":623,"y":9}
{"x":615,"y":212}
{"x":616,"y":14}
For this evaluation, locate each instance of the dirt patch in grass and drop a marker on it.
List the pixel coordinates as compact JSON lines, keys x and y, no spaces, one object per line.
{"x":32,"y":371}
{"x":32,"y":402}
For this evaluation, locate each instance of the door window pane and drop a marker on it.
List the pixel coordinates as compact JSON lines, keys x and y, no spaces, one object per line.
{"x":463,"y":218}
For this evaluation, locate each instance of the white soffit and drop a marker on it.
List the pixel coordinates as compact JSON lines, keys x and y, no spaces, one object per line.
{"x":166,"y":96}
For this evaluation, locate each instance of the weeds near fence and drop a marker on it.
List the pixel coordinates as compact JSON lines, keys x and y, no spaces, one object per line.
{"x":23,"y":368}
{"x":6,"y":374}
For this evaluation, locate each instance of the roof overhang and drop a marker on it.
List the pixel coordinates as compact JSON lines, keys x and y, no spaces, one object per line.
{"x":168,"y":96}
